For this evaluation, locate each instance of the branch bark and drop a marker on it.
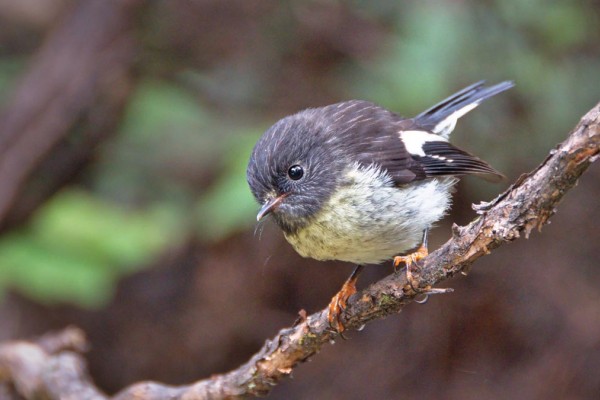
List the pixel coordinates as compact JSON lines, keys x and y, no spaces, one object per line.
{"x":58,"y":371}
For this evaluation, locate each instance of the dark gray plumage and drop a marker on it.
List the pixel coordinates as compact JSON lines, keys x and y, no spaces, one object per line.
{"x":353,"y":181}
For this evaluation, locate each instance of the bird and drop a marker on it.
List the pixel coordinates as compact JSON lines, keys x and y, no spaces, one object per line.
{"x":355,"y":182}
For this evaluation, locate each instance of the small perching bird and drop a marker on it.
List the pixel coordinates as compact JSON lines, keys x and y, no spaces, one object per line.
{"x":355,"y":182}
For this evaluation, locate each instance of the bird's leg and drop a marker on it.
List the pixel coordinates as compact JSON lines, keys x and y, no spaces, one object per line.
{"x":340,"y":300}
{"x":414,"y":258}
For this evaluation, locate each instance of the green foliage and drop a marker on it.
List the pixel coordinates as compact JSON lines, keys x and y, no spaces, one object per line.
{"x":548,"y":48}
{"x":9,"y":68}
{"x":413,"y":68}
{"x":177,"y":167}
{"x":160,"y":110}
{"x":165,"y":131}
{"x":80,"y":243}
{"x":77,"y":246}
{"x":229,"y":206}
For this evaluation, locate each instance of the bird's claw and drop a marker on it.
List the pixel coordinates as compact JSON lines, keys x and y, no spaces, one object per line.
{"x":338,"y":304}
{"x":409,"y":260}
{"x":413,"y":259}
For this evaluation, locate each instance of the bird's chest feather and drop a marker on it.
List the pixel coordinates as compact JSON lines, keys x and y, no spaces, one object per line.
{"x":369,"y":220}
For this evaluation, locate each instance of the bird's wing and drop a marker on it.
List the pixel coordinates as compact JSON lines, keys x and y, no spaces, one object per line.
{"x":369,"y":135}
{"x":420,"y":155}
{"x":435,"y":156}
{"x":407,"y":151}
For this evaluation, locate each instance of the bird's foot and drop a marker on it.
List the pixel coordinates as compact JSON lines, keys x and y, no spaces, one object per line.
{"x":338,"y":305}
{"x":339,"y":302}
{"x":412,"y":259}
{"x":409,"y":260}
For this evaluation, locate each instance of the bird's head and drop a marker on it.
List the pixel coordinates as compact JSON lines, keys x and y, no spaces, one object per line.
{"x":293,"y":170}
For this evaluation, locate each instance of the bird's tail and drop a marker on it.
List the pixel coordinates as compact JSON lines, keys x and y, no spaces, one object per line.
{"x":441,"y":118}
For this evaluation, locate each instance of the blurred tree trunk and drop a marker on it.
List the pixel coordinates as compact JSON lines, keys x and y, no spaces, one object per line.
{"x":69,"y":100}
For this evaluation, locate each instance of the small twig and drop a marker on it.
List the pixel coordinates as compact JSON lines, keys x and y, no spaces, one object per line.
{"x":526,"y":205}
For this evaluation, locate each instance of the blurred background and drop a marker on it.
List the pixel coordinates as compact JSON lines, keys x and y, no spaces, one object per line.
{"x":125,"y":129}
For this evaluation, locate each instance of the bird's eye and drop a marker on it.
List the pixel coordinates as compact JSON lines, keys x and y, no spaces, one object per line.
{"x":295,"y":172}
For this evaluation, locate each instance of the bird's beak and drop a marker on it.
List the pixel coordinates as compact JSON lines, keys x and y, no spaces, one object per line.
{"x":269,"y":206}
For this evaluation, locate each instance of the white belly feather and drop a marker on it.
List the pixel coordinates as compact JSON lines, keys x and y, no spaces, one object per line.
{"x":369,"y":220}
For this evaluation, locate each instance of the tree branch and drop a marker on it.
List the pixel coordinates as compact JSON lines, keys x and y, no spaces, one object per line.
{"x":56,"y":371}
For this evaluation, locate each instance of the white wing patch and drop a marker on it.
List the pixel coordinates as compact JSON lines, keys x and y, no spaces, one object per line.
{"x":446,"y":126}
{"x":414,"y":141}
{"x":438,"y":157}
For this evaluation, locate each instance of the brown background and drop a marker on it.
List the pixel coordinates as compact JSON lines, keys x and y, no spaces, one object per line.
{"x":524,"y":324}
